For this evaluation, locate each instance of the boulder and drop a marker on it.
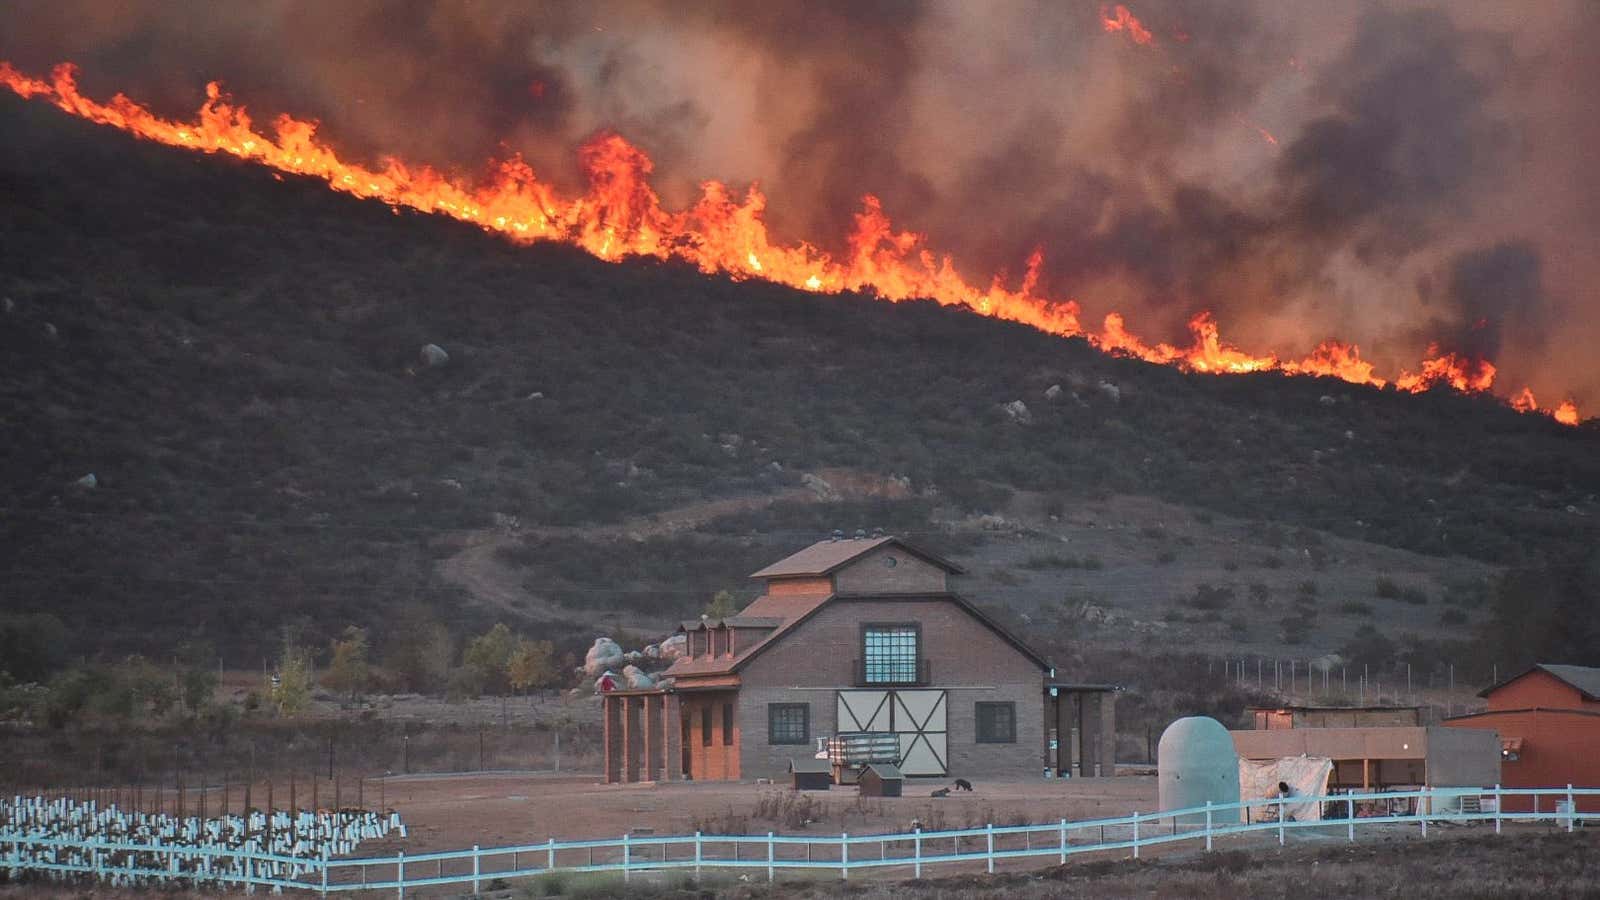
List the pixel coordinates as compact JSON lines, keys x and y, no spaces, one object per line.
{"x":605,"y":654}
{"x":9,"y":305}
{"x":1018,"y":411}
{"x":817,"y":486}
{"x":1052,"y":392}
{"x":1111,"y":391}
{"x":433,"y":355}
{"x":87,"y":482}
{"x":675,"y":646}
{"x":635,"y":678}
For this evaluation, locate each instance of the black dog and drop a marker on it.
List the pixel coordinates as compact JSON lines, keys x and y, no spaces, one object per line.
{"x":941,"y":792}
{"x":963,"y":785}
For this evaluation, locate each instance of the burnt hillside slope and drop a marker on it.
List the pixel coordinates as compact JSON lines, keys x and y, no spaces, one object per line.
{"x":235,"y":358}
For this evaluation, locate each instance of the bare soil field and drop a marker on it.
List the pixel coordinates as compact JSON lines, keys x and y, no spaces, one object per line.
{"x":453,"y":812}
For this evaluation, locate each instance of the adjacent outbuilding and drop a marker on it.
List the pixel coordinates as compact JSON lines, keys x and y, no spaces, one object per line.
{"x":1546,"y":721}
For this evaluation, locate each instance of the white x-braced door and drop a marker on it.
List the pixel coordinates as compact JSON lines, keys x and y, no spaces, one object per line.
{"x":916,"y":717}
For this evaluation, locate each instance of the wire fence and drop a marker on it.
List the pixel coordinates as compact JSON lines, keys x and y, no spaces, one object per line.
{"x":180,"y":865}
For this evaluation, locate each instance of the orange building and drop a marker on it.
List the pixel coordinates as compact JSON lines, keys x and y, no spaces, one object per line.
{"x":1548,"y":718}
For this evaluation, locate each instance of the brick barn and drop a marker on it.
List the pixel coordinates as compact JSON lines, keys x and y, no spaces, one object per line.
{"x":856,"y":636}
{"x":1548,"y":718}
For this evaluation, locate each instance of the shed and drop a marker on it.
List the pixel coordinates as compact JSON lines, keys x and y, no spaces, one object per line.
{"x":881,"y":780}
{"x":811,"y":774}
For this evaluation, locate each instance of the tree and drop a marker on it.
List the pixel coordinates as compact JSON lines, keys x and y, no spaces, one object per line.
{"x":722,"y":605}
{"x":486,"y":657}
{"x":197,"y":680}
{"x":290,"y":686}
{"x":349,"y":672}
{"x":418,"y":648}
{"x":532,"y":665}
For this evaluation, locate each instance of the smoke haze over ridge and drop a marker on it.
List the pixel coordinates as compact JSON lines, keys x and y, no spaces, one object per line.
{"x":1426,"y":177}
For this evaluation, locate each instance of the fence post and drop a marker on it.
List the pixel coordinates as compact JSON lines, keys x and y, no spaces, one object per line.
{"x":1421,"y":815}
{"x":1136,"y":834}
{"x":844,"y":855}
{"x":918,"y":845}
{"x":990,"y":835}
{"x":324,"y":871}
{"x":1572,"y":809}
{"x":550,"y":857}
{"x":1063,"y":841}
{"x":1497,"y":802}
{"x":769,"y":857}
{"x":1350,"y":817}
{"x":696,"y":854}
{"x":625,"y":873}
{"x":476,"y":868}
{"x":1208,"y":826}
{"x":1280,"y":821}
{"x":400,"y":874}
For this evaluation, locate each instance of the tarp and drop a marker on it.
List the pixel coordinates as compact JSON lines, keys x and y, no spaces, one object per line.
{"x":1306,"y":776}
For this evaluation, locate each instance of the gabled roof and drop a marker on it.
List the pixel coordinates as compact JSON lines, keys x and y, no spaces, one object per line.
{"x":827,"y":557}
{"x":1585,"y":678}
{"x":691,"y":666}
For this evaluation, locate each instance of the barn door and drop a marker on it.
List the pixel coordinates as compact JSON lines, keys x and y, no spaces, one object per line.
{"x":919,"y":720}
{"x":864,"y":711}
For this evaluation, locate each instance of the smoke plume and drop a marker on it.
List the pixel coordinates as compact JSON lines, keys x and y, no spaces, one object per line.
{"x":1394,"y":173}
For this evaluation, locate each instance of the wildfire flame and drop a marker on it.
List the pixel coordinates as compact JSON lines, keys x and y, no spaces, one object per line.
{"x":1119,"y":18}
{"x":621,"y":216}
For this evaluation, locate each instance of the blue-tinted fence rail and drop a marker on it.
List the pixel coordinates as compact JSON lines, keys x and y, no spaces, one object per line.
{"x":845,"y":853}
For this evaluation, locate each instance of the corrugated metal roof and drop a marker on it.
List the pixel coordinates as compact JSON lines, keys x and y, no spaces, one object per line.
{"x":1585,"y":678}
{"x":824,"y":557}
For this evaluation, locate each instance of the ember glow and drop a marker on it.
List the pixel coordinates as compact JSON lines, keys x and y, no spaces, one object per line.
{"x":621,"y":216}
{"x":1119,"y":19}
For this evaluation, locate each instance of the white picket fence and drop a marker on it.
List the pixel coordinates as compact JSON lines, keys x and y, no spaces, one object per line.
{"x":846,"y":853}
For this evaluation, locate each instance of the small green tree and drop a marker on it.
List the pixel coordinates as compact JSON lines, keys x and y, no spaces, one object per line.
{"x":349,"y":672}
{"x":532,"y":665}
{"x":197,"y":679}
{"x":722,"y":605}
{"x":486,"y":657}
{"x":152,"y":691}
{"x":290,"y":686}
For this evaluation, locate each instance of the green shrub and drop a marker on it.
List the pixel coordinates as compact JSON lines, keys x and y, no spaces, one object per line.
{"x":1356,"y":608}
{"x":1414,"y":595}
{"x":1387,"y":588}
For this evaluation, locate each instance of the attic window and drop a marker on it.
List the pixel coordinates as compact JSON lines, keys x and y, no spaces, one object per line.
{"x":890,"y":562}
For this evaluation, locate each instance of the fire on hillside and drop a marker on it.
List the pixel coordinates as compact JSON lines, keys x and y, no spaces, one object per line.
{"x":621,"y":215}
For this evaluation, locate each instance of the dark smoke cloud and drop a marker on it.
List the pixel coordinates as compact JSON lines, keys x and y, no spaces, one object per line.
{"x":1430,"y":179}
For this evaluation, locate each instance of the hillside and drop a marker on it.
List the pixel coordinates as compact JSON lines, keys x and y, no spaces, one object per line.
{"x":235,"y":357}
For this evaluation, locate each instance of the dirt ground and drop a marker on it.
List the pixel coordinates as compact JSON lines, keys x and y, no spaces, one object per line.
{"x":450,"y":812}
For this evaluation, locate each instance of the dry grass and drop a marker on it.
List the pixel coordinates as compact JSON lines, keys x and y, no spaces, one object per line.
{"x":1556,"y":865}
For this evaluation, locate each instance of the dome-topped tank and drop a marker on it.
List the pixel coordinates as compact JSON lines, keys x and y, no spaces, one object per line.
{"x":1197,"y":762}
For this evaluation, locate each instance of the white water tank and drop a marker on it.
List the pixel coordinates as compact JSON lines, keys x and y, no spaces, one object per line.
{"x":1197,"y":763}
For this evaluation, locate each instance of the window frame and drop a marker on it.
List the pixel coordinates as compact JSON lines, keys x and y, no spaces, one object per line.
{"x":727,"y":724}
{"x":773,"y":709}
{"x":978,"y":709}
{"x":705,"y":725}
{"x":916,"y":657}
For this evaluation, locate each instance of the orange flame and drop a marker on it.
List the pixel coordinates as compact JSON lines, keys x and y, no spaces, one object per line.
{"x":1566,"y":413}
{"x":621,"y":215}
{"x":1119,"y":18}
